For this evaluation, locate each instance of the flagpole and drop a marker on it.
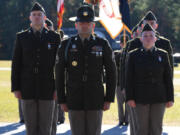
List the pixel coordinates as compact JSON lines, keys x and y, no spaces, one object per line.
{"x":124,"y":36}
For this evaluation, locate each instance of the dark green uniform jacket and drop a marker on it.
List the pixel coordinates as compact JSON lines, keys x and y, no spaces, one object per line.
{"x":33,"y":64}
{"x":84,"y":62}
{"x":149,"y":77}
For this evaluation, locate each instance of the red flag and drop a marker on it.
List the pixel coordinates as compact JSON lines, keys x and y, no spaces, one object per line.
{"x":60,"y":12}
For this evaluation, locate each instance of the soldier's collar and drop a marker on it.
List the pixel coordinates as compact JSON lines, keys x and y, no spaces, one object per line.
{"x":34,"y":30}
{"x":91,"y":37}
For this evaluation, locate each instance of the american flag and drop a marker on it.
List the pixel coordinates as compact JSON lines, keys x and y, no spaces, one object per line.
{"x":60,"y":12}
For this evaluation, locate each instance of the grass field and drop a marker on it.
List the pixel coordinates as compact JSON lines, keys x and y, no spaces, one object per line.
{"x":9,"y":107}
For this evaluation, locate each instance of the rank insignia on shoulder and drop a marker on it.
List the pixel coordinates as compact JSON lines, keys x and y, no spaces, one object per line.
{"x":74,"y":63}
{"x":159,"y":58}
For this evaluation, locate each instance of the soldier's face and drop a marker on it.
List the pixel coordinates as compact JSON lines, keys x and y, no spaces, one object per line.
{"x":148,"y":39}
{"x":37,"y":18}
{"x":85,"y":27}
{"x":152,"y":23}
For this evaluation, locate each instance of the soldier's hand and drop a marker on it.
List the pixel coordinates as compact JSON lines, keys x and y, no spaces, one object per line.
{"x":64,"y":107}
{"x":106,"y":106}
{"x":17,"y":94}
{"x":169,"y":104}
{"x":131,"y":103}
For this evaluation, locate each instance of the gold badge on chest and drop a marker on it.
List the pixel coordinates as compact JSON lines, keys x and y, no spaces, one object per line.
{"x":74,"y":63}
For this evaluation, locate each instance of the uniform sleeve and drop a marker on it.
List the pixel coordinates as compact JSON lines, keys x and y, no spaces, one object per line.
{"x":129,"y":85}
{"x":110,"y":69}
{"x":60,"y":74}
{"x":117,"y":58}
{"x":58,"y":39}
{"x":16,"y":66}
{"x":168,"y":80}
{"x":122,"y":73}
{"x":170,"y":54}
{"x":124,"y":59}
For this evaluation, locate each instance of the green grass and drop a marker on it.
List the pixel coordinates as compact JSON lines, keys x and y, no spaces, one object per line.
{"x":9,"y":106}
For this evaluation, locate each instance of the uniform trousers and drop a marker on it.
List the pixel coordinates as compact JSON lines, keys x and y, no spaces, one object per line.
{"x":122,"y":111}
{"x":85,"y":122}
{"x":38,"y":115}
{"x":150,"y":118}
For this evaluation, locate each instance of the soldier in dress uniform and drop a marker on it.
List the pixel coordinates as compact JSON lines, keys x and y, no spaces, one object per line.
{"x":33,"y":72}
{"x":149,"y":85}
{"x":120,"y":91}
{"x":161,"y":42}
{"x":79,"y":72}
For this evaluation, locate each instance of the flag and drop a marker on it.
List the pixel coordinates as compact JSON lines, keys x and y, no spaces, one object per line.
{"x":124,"y":9}
{"x":60,"y":12}
{"x":110,"y":17}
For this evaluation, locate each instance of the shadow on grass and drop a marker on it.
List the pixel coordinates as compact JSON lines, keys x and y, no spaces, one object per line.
{"x":116,"y":131}
{"x":10,"y":127}
{"x":66,"y":133}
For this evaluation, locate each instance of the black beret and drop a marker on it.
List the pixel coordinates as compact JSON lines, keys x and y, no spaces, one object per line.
{"x":147,"y":27}
{"x":150,"y":16}
{"x":49,"y":22}
{"x":38,"y":7}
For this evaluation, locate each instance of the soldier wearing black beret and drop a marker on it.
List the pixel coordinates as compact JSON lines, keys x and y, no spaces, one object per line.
{"x":33,"y":72}
{"x":81,"y":60}
{"x":149,"y":85}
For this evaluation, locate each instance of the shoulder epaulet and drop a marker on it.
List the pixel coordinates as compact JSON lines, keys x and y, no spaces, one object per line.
{"x":161,"y":50}
{"x":134,"y":50}
{"x":22,"y":31}
{"x":163,"y":38}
